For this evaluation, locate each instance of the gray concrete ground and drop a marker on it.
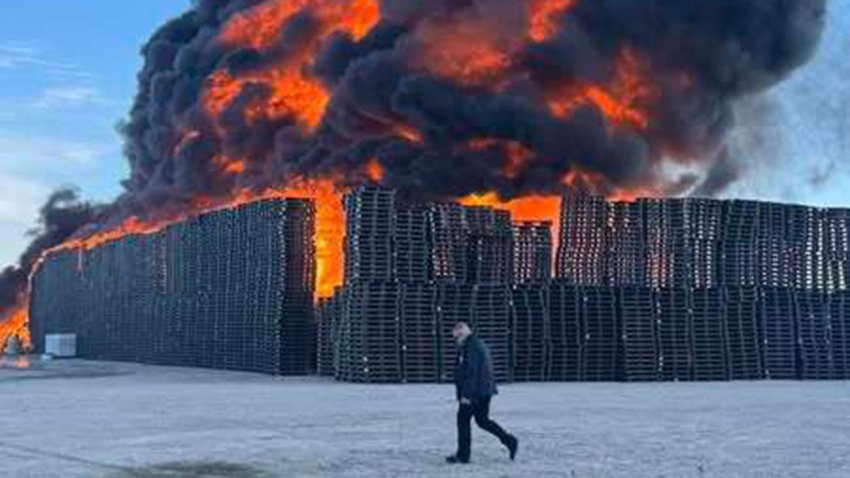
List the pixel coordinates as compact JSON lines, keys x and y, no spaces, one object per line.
{"x":84,"y":419}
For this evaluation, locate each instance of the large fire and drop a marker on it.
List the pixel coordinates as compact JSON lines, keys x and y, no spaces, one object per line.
{"x":14,"y":323}
{"x":307,"y":98}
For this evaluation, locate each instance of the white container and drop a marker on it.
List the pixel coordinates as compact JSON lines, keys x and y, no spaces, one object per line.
{"x":61,"y":345}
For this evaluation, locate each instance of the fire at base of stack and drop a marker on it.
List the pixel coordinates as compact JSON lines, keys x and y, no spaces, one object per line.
{"x":655,"y":289}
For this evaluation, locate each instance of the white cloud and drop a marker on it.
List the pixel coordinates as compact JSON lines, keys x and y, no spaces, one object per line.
{"x":69,"y":96}
{"x":24,"y":153}
{"x":15,"y":55}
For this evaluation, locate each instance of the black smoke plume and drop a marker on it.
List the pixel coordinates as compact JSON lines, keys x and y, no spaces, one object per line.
{"x":701,"y":56}
{"x":63,"y":215}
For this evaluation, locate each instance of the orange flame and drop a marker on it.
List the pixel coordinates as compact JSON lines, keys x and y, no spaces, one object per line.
{"x":542,"y":13}
{"x":623,"y":102}
{"x":14,"y":323}
{"x":330,"y":226}
{"x":293,"y":93}
{"x":374,"y":171}
{"x":261,"y":26}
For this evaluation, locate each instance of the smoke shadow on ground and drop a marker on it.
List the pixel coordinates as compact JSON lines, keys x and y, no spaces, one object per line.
{"x":192,"y":469}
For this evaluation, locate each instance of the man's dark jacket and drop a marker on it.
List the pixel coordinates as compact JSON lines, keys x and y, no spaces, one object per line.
{"x":474,"y":370}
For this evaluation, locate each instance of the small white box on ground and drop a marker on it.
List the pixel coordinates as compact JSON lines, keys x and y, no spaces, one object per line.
{"x":60,"y":345}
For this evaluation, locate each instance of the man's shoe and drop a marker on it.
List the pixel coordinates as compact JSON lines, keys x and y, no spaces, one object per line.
{"x":455,"y":460}
{"x":513,"y":446}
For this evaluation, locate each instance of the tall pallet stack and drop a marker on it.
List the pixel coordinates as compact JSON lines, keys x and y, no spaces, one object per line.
{"x":371,"y":321}
{"x":230,"y":289}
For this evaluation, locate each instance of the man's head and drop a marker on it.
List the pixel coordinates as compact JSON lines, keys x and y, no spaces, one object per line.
{"x":461,"y":331}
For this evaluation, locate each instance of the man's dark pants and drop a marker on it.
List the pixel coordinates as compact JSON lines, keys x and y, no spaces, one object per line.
{"x":480,"y":409}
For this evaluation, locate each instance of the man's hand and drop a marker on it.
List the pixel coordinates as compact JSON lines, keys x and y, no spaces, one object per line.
{"x":465,"y":401}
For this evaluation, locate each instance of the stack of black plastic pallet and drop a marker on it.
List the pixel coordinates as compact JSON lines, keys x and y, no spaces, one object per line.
{"x":815,"y":335}
{"x":532,"y":252}
{"x":491,"y":321}
{"x":373,"y":333}
{"x":669,"y":273}
{"x":582,"y":246}
{"x":626,"y":258}
{"x":530,"y":325}
{"x":777,"y":316}
{"x":600,"y":330}
{"x":740,"y":244}
{"x":490,"y":243}
{"x":230,"y":289}
{"x":839,"y":313}
{"x":704,"y":229}
{"x":740,"y":275}
{"x":328,"y":311}
{"x":775,"y":253}
{"x":565,"y":333}
{"x":708,"y":328}
{"x":837,"y":255}
{"x":412,"y":254}
{"x":638,"y":334}
{"x":667,"y":248}
{"x":449,"y":242}
{"x":370,"y":311}
{"x":420,"y":333}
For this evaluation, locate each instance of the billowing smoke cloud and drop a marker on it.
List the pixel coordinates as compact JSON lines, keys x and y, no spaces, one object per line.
{"x":451,"y":97}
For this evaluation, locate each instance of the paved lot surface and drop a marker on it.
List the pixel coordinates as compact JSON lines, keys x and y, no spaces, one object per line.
{"x":84,"y":419}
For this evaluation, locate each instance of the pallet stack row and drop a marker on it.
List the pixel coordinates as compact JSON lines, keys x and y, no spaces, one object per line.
{"x":231,"y":289}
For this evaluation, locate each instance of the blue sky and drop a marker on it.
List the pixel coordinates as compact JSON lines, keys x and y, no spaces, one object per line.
{"x":67,"y":76}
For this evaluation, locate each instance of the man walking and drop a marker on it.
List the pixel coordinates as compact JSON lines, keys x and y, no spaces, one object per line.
{"x":474,"y":387}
